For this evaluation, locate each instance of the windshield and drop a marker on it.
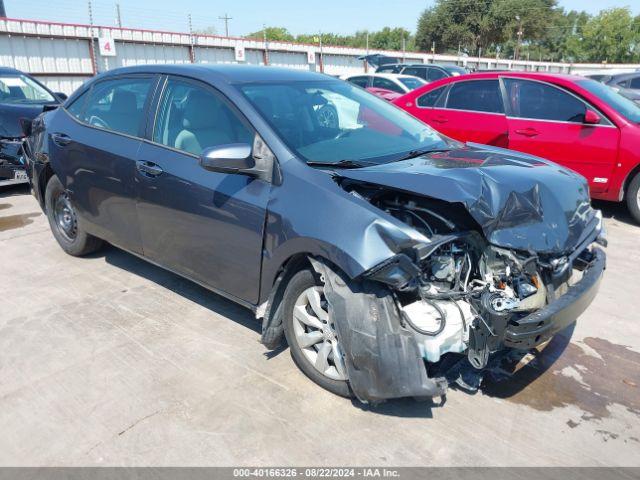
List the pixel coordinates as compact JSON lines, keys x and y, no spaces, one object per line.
{"x":412,"y":82}
{"x":330,"y":121}
{"x":22,"y":89}
{"x":625,"y":107}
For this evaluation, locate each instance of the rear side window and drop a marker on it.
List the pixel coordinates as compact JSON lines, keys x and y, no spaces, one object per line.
{"x":117,"y":105}
{"x":387,"y":69}
{"x":435,"y":74}
{"x":380,"y":82}
{"x":476,"y":96}
{"x":635,"y":83}
{"x":360,"y":81}
{"x":416,"y":72}
{"x":542,"y":101}
{"x":430,"y":99}
{"x":192,"y":118}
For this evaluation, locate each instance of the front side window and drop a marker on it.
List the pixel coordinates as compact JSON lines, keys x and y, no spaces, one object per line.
{"x":20,"y":89}
{"x":541,"y":101}
{"x":430,"y":99}
{"x":117,"y":104}
{"x":192,"y":118}
{"x":362,"y":82}
{"x":379,"y":82}
{"x":476,"y":96}
{"x":328,"y":121}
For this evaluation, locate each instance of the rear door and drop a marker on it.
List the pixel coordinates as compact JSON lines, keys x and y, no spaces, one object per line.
{"x":205,"y":225}
{"x":548,"y":121}
{"x":94,"y":144}
{"x":471,"y":111}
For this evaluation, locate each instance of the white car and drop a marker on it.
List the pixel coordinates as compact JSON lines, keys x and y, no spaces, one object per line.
{"x":389,"y":81}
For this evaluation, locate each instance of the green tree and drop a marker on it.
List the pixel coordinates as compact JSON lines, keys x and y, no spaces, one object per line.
{"x":612,"y":36}
{"x":274,"y":34}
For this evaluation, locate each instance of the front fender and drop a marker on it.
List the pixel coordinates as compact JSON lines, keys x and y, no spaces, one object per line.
{"x":310,"y":214}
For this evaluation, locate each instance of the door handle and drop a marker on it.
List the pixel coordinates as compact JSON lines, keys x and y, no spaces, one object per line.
{"x":149,"y":168}
{"x":440,"y":119}
{"x":61,"y":139}
{"x":528,"y":132}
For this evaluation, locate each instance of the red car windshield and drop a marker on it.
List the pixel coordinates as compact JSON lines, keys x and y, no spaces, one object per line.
{"x":625,"y":107}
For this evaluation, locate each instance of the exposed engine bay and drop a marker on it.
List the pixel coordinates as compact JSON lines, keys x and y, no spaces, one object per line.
{"x":457,"y":293}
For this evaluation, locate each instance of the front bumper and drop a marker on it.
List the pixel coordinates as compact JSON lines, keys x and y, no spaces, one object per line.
{"x":12,"y":163}
{"x":540,"y":326}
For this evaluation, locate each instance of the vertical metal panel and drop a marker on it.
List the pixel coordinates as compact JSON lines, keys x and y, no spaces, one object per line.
{"x":62,"y":84}
{"x":215,"y":55}
{"x":341,"y":64}
{"x":289,"y":59}
{"x":129,"y":54}
{"x":254,"y":57}
{"x":45,"y":55}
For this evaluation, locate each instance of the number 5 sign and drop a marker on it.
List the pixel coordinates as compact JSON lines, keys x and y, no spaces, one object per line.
{"x":107,"y":47}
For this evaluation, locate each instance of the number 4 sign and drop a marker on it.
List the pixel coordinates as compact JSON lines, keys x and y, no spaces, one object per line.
{"x":107,"y":47}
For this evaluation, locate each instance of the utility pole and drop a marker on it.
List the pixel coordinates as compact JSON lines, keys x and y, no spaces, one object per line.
{"x":266,"y":44}
{"x":226,"y":19}
{"x":118,"y":16}
{"x":321,"y":57}
{"x":91,"y":39}
{"x":3,"y":12}
{"x":404,"y":48}
{"x":516,"y":55}
{"x":192,"y":50}
{"x":366,"y":63}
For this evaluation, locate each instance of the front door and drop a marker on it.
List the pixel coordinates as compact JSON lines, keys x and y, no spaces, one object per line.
{"x":205,"y":225}
{"x":96,"y":152}
{"x":547,"y":121}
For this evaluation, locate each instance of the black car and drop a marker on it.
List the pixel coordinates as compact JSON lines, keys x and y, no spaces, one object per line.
{"x":427,"y":71}
{"x":626,"y":81}
{"x":393,"y":260}
{"x":22,"y":98}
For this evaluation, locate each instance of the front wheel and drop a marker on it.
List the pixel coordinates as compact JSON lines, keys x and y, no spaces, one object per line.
{"x":63,"y":221}
{"x":633,"y":198}
{"x":311,"y":334}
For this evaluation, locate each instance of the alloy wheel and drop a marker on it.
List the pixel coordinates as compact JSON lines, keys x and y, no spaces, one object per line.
{"x":315,"y":334}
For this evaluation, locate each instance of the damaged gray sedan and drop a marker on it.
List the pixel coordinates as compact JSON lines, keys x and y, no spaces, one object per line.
{"x":394,"y":260}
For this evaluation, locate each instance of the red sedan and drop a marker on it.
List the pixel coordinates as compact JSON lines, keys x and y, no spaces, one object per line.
{"x":574,"y":121}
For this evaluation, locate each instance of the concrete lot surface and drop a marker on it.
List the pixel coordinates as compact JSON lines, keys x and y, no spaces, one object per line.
{"x":108,"y":360}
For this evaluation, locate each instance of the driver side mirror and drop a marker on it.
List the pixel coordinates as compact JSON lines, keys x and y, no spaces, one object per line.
{"x":591,"y":117}
{"x":231,"y":158}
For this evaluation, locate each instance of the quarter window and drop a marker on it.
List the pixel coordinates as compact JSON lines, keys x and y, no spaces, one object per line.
{"x":117,"y":105}
{"x":476,"y":96}
{"x":541,"y":101}
{"x":77,"y":107}
{"x":430,"y":99}
{"x":192,"y":118}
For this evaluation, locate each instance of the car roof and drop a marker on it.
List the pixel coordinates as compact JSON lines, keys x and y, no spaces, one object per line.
{"x":226,"y":73}
{"x":544,"y":76}
{"x":9,"y":71}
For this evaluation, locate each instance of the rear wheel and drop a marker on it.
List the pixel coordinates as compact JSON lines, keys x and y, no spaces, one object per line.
{"x":63,"y":221}
{"x":311,"y":334}
{"x":633,"y":198}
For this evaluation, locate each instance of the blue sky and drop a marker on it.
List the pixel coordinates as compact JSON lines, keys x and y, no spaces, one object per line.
{"x":299,"y":16}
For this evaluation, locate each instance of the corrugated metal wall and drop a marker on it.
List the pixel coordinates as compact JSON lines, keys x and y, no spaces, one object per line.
{"x":341,"y":64}
{"x":45,"y":55}
{"x":129,"y":54}
{"x":289,"y":60}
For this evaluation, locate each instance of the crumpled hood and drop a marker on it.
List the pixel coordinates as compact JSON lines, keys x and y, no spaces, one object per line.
{"x":10,"y":116}
{"x":520,"y":201}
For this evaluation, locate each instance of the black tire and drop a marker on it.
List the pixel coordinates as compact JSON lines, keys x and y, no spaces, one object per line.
{"x":300,"y":282}
{"x":74,"y":241}
{"x":633,"y":198}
